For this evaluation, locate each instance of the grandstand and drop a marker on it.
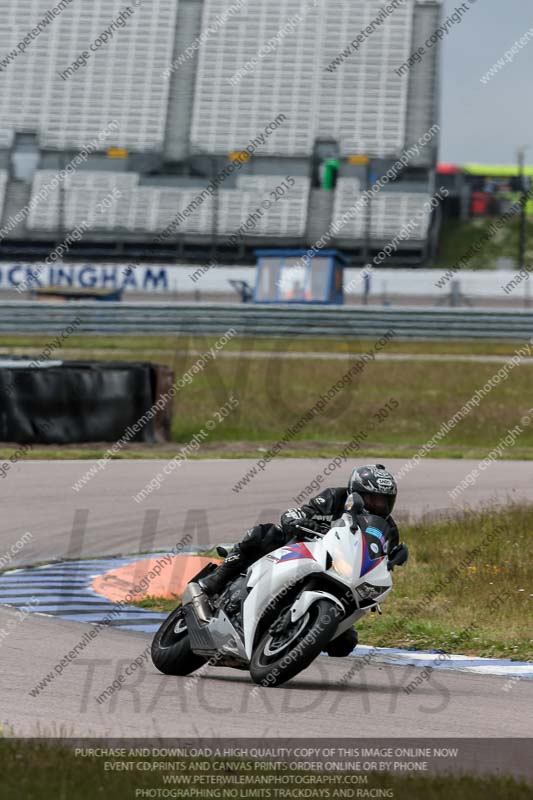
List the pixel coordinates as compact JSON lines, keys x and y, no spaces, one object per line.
{"x":121,"y":81}
{"x":181,"y":116}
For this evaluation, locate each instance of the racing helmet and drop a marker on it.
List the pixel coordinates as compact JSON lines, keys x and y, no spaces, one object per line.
{"x":377,"y":487}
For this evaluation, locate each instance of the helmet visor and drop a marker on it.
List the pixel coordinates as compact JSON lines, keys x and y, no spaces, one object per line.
{"x":380,"y":504}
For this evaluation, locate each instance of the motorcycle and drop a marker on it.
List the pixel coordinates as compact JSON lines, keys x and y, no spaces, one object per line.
{"x":279,"y":616}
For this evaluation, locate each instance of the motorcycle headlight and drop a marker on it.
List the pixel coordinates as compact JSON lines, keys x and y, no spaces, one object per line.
{"x":341,"y":566}
{"x":368,"y":592}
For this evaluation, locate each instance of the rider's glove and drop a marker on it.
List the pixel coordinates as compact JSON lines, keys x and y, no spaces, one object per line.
{"x":291,"y":519}
{"x":398,"y":556}
{"x":312,"y":525}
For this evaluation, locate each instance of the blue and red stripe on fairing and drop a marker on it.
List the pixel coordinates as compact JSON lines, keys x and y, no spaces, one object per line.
{"x":296,"y":551}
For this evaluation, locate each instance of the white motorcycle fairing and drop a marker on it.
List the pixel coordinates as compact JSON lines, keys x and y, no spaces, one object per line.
{"x":350,"y":557}
{"x":290,"y":606}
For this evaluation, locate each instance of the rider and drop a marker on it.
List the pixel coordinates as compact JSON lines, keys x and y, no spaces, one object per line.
{"x":377,"y":490}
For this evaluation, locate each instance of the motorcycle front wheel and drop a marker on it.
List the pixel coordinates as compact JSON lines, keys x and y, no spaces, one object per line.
{"x":286,"y":648}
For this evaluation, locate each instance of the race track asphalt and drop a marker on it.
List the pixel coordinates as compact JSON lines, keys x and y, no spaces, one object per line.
{"x":197,"y":499}
{"x":331,"y":698}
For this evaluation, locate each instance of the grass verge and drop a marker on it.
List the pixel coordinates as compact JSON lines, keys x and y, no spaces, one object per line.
{"x":276,"y":393}
{"x":256,"y":450}
{"x":163,"y":604}
{"x":484,"y":609}
{"x":152,"y":346}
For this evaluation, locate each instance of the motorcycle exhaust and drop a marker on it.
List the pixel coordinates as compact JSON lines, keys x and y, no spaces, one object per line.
{"x":195,"y":596}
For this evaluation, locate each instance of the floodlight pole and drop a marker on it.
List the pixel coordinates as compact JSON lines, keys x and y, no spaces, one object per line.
{"x":523,"y":216}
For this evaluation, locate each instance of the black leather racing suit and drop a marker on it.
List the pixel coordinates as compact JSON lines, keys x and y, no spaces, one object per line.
{"x":325,"y":507}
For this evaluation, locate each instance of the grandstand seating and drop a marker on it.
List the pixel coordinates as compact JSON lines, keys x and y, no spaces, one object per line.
{"x":292,"y":80}
{"x":392,"y":211}
{"x":121,"y":81}
{"x":152,"y":208}
{"x":82,"y":192}
{"x":228,"y":117}
{"x":389,"y":213}
{"x":363,"y":102}
{"x":7,"y":135}
{"x":285,"y":217}
{"x":362,"y":105}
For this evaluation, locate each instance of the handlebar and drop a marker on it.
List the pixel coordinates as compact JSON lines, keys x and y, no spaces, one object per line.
{"x":310,"y":531}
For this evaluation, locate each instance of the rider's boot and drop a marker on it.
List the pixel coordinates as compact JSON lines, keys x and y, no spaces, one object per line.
{"x":343,"y":645}
{"x":233,"y":565}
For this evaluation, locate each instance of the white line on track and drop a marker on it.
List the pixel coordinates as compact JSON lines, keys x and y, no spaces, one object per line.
{"x":299,"y":355}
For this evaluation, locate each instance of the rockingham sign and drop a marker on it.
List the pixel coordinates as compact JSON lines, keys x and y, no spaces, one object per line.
{"x":145,"y":278}
{"x":174,"y":279}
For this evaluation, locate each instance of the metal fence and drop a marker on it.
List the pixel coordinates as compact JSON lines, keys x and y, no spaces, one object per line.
{"x":255,"y":320}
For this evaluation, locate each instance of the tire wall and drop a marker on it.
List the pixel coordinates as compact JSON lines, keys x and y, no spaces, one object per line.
{"x":78,"y":402}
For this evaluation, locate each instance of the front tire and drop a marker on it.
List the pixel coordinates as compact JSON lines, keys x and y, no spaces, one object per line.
{"x":278,"y":657}
{"x":171,"y":647}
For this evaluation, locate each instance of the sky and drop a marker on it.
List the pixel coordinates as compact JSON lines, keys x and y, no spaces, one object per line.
{"x":486,"y":123}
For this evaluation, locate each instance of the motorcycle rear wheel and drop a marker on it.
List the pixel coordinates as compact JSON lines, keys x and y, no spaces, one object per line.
{"x":171,"y":648}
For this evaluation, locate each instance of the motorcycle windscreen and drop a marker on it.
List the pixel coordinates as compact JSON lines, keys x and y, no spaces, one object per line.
{"x":344,"y":551}
{"x":374,"y":542}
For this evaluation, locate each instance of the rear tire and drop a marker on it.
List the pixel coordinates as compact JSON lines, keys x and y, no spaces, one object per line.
{"x":171,"y":647}
{"x":274,"y":662}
